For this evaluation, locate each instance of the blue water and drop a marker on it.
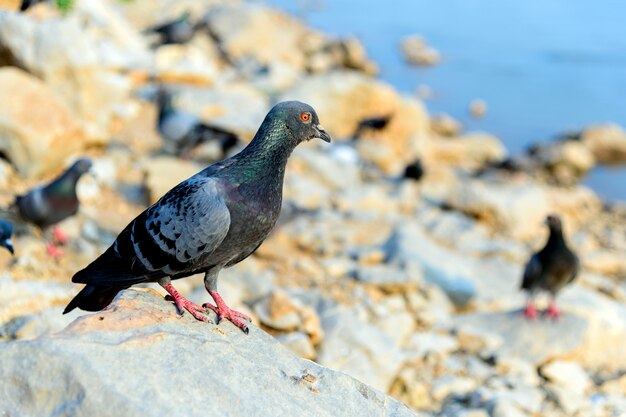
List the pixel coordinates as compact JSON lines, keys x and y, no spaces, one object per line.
{"x":542,"y":67}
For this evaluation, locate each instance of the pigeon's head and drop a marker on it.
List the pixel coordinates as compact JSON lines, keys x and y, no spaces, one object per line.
{"x":6,"y":230}
{"x":300,"y":121}
{"x":81,"y":166}
{"x":554,"y":222}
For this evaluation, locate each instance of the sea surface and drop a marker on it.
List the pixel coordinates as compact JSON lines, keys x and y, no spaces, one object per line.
{"x":543,"y":68}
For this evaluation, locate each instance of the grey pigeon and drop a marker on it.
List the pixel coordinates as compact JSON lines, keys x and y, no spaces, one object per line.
{"x":183,"y":131}
{"x":178,"y":31}
{"x":550,"y":269}
{"x":210,"y":221}
{"x":6,"y":230}
{"x":49,"y":204}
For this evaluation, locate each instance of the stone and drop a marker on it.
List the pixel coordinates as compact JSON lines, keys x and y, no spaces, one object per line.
{"x":27,"y":297}
{"x":516,"y":208}
{"x":242,"y":27}
{"x":342,"y":99}
{"x":234,"y":106}
{"x":165,"y":172}
{"x":299,"y":344}
{"x":141,"y":331}
{"x":37,"y":131}
{"x":506,"y":409}
{"x":279,"y":311}
{"x":471,"y":151}
{"x":451,"y":385}
{"x":79,"y":76}
{"x":387,"y":278}
{"x":566,"y":158}
{"x":358,"y":348}
{"x":478,"y":108}
{"x":445,"y":125}
{"x":424,"y":344}
{"x":588,"y":332}
{"x":568,"y":375}
{"x":607,"y":142}
{"x":416,"y":51}
{"x":184,"y":64}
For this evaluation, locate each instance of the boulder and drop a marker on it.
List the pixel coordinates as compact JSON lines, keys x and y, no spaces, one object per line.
{"x":342,"y":99}
{"x":164,"y":173}
{"x":472,"y":150}
{"x":606,"y":142}
{"x":139,"y":358}
{"x":78,"y":75}
{"x":37,"y":131}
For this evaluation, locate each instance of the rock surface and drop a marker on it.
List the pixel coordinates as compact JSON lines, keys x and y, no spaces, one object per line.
{"x":138,"y":358}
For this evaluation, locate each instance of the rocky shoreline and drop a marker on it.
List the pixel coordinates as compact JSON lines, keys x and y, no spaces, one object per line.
{"x":408,"y":286}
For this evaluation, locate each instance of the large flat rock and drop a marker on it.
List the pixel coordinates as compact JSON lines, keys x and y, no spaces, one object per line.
{"x":139,"y":358}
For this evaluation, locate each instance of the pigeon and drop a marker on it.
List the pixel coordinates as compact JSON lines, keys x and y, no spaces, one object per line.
{"x":47,"y":205}
{"x":550,"y":269}
{"x":414,"y":170}
{"x":178,"y":31}
{"x":373,"y":123}
{"x":213,"y":220}
{"x":183,"y":131}
{"x":6,"y":230}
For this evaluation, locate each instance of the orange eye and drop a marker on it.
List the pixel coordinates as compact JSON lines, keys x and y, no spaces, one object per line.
{"x":305,"y":117}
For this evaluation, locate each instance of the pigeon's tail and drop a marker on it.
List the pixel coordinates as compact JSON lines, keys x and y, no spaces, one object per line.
{"x":93,"y":298}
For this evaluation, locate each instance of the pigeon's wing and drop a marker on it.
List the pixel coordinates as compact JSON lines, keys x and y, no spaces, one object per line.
{"x":532,"y":273}
{"x":169,"y":238}
{"x":575,"y":269}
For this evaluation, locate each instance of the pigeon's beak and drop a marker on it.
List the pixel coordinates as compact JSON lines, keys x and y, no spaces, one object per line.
{"x":321,"y":134}
{"x":9,"y":245}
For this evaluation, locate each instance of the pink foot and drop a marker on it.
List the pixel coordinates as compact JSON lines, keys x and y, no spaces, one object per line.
{"x":60,"y":238}
{"x":553,"y":311}
{"x":54,"y":251}
{"x":225,"y":312}
{"x":530,"y":312}
{"x":183,"y":304}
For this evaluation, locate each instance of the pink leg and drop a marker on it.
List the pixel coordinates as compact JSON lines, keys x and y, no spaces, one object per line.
{"x":54,"y":251}
{"x":225,"y":312}
{"x":530,"y":312}
{"x":183,"y":304}
{"x":553,"y":311}
{"x":60,"y":238}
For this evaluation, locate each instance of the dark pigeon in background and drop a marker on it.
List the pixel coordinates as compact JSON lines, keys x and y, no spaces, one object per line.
{"x":6,"y":231}
{"x":372,"y":123}
{"x":178,"y":31}
{"x":414,"y":170}
{"x":211,"y":221}
{"x":550,"y":269}
{"x":183,"y":131}
{"x":47,"y":205}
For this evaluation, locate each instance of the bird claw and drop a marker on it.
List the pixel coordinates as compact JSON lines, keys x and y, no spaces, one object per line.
{"x":54,"y":252}
{"x":60,"y":238}
{"x":530,"y":312}
{"x":553,"y":312}
{"x":232,"y":312}
{"x":183,"y":304}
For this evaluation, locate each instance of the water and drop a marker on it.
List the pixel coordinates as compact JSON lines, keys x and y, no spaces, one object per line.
{"x":542,"y":67}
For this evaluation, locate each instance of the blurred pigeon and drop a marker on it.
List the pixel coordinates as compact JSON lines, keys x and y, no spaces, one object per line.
{"x":213,"y":220}
{"x":177,"y":31}
{"x":414,"y":170}
{"x":47,"y":205}
{"x":183,"y":131}
{"x":550,"y":269}
{"x":6,"y":230}
{"x":373,"y":123}
{"x":26,"y":4}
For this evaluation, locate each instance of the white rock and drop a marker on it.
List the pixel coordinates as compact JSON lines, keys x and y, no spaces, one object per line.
{"x":424,"y":344}
{"x":358,"y":348}
{"x":568,"y":375}
{"x":298,"y":343}
{"x":606,"y":142}
{"x":140,"y":332}
{"x":451,"y":385}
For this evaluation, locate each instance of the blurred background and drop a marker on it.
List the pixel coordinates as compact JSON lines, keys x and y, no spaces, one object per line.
{"x":398,"y":258}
